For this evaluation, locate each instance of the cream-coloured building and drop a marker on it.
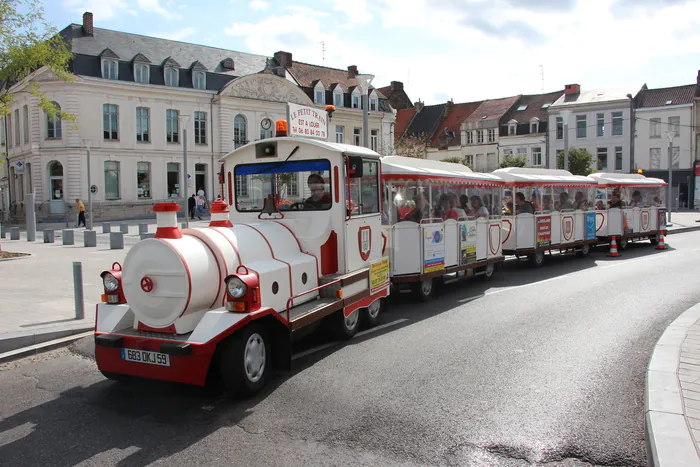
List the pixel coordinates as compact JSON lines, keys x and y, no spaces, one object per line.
{"x":134,"y":95}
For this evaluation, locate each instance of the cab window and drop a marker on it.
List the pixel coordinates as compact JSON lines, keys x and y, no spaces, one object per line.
{"x":364,"y":191}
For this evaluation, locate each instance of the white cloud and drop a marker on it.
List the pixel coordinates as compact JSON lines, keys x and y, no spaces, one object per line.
{"x":259,"y":5}
{"x":357,"y":12}
{"x":175,"y":35}
{"x":99,"y":8}
{"x":154,"y":6}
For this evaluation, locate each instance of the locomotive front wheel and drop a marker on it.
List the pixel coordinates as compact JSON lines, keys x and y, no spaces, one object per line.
{"x":623,"y":243}
{"x":584,"y":250}
{"x":373,"y":313}
{"x":245,"y":361}
{"x":424,"y":289}
{"x":653,"y":239}
{"x":488,"y":272}
{"x":346,"y":326}
{"x":537,"y":260}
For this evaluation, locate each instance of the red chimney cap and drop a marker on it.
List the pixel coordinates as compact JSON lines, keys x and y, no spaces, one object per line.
{"x":166,"y":207}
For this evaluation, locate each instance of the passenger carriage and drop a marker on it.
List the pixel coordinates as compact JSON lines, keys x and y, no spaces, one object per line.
{"x":439,"y":220}
{"x":557,"y":215}
{"x":630,"y":207}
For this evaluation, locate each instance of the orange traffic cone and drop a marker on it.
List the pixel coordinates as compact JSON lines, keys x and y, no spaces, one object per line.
{"x":662,"y":243}
{"x":613,"y":249}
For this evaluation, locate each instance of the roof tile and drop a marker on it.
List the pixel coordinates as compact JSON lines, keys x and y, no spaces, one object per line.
{"x":665,"y":96}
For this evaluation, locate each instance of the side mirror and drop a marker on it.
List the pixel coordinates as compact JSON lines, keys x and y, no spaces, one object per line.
{"x":354,"y":166}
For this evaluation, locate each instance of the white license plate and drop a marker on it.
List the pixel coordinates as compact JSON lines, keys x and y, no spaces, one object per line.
{"x":144,"y":356}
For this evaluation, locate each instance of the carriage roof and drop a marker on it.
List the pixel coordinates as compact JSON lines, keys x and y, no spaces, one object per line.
{"x":403,"y":169}
{"x":622,"y":179}
{"x":348,"y":149}
{"x":534,"y":176}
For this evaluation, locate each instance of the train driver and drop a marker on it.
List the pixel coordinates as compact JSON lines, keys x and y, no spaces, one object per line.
{"x":319,"y":199}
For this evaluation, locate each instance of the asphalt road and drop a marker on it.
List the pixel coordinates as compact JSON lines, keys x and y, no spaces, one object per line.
{"x":536,"y":367}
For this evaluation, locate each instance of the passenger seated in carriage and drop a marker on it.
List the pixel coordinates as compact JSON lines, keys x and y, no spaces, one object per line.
{"x":636,"y":200}
{"x":420,"y":211}
{"x":478,"y":207}
{"x":616,"y":201}
{"x":547,"y":204}
{"x":564,"y":202}
{"x":522,"y":206}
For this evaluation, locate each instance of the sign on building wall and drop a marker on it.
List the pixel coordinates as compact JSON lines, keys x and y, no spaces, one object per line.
{"x":307,"y":121}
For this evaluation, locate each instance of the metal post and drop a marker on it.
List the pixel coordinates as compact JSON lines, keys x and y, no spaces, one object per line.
{"x":31,"y":216}
{"x":78,"y":290}
{"x":365,"y":118}
{"x":670,"y":178}
{"x":89,"y":219}
{"x":566,"y":143}
{"x":184,"y":161}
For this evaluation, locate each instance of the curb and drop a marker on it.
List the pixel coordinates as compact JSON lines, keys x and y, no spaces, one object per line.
{"x":11,"y":341}
{"x":43,"y":347}
{"x":668,"y":437}
{"x":682,"y":230}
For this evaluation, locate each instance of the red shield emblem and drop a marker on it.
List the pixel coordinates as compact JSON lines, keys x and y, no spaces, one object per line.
{"x":645,"y":220}
{"x":364,"y":238}
{"x":567,"y":227}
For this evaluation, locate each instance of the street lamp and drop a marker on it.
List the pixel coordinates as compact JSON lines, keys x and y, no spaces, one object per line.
{"x":365,"y":81}
{"x":565,"y":116}
{"x":184,"y":120}
{"x":670,"y":135}
{"x":88,"y":142}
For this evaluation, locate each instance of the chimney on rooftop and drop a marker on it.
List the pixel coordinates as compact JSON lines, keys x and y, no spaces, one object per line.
{"x":284,"y":59}
{"x":572,"y":89}
{"x":87,"y":23}
{"x":352,"y":71}
{"x":396,"y":86}
{"x":449,"y":106}
{"x":418,"y":106}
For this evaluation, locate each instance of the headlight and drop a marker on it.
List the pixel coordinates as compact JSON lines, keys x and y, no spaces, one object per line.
{"x":110,"y":282}
{"x":236,"y":287}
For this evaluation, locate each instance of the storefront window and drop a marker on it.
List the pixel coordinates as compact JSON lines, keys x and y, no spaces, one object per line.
{"x":143,"y":179}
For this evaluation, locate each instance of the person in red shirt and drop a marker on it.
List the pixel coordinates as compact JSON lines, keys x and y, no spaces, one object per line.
{"x":319,"y":199}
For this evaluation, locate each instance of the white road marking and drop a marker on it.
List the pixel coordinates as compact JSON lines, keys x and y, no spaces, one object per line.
{"x":362,"y":333}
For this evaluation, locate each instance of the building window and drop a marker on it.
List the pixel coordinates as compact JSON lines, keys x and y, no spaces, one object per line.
{"x":355,"y":99}
{"x":17,"y":128}
{"x":338,"y":98}
{"x":111,"y":180}
{"x":617,"y":123}
{"x":143,"y":133}
{"x":675,"y":157}
{"x":25,"y":123}
{"x":507,"y":153}
{"x":373,"y":102}
{"x":521,"y":153}
{"x":479,"y":137}
{"x":512,"y":129}
{"x":600,"y":125}
{"x":172,"y":126}
{"x":172,"y":76}
{"x":470,"y":160}
{"x":110,"y":121}
{"x":655,"y":128}
{"x":200,"y":128}
{"x":674,"y":125}
{"x":655,"y":158}
{"x":173,"y":176}
{"x":110,"y":69}
{"x":470,"y":137}
{"x":533,"y":128}
{"x":242,"y":186}
{"x":200,"y":177}
{"x":142,"y":73}
{"x":8,"y":121}
{"x":602,"y":158}
{"x":240,"y":131}
{"x":357,"y":136}
{"x":618,"y":157}
{"x":492,"y":135}
{"x":143,"y":180}
{"x":320,"y":94}
{"x":580,"y":126}
{"x":53,"y":125}
{"x":374,"y":140}
{"x":537,"y":156}
{"x":560,"y":128}
{"x":200,"y":80}
{"x":339,"y":134}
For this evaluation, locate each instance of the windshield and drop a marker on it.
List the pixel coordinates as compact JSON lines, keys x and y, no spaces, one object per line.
{"x":298,"y":185}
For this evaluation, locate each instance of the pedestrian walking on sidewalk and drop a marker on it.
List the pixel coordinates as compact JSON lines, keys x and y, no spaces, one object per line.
{"x":81,"y":212}
{"x":191,"y":205}
{"x":200,"y":207}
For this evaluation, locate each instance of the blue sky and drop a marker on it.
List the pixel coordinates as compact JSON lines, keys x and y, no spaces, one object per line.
{"x":462,"y":49}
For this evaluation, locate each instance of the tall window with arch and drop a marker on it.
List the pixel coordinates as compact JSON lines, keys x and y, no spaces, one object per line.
{"x":240,"y":131}
{"x":53,"y":124}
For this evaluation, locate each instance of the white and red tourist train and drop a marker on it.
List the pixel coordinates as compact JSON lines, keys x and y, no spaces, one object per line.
{"x":311,"y":232}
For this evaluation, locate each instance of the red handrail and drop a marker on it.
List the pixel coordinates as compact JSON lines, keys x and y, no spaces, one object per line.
{"x":315,"y":289}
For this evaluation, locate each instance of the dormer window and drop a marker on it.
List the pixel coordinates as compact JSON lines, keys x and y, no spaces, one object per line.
{"x":512,"y":128}
{"x":172,"y":77}
{"x":338,"y":97}
{"x":373,"y":101}
{"x":356,"y":99}
{"x":142,"y":73}
{"x":534,"y":126}
{"x":199,"y":80}
{"x":110,"y":69}
{"x":320,"y":93}
{"x":227,"y":64}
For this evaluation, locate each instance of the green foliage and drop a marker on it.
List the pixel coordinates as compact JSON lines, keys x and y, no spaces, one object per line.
{"x":27,"y":43}
{"x":513,"y":161}
{"x":456,"y":160}
{"x":580,"y":161}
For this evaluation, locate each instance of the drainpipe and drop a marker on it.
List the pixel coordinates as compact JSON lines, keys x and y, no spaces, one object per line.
{"x":633,"y":125}
{"x":211,"y":145}
{"x":9,"y":182}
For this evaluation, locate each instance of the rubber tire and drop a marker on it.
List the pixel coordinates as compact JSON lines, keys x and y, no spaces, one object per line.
{"x":420,"y":293}
{"x":584,"y":251}
{"x":340,"y":329}
{"x":369,"y":322}
{"x":231,"y":367}
{"x":622,"y":244}
{"x":487,"y":276}
{"x":118,"y":377}
{"x":534,"y":259}
{"x":653,"y":239}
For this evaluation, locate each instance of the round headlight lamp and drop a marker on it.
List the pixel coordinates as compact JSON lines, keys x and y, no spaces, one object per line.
{"x":110,"y":282}
{"x":236,"y":287}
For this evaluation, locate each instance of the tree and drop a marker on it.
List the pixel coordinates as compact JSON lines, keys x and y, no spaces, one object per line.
{"x":456,"y":160}
{"x":580,"y":161}
{"x":28,"y":43}
{"x":513,"y":161}
{"x":412,"y":146}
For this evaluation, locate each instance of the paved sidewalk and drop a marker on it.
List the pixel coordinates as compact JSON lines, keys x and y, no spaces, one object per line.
{"x":673,"y":394}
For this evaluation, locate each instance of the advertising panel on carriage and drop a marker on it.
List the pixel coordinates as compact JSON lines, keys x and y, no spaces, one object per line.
{"x":379,"y":275}
{"x":467,"y":242}
{"x":590,"y":232}
{"x":544,"y":231}
{"x":433,"y":248}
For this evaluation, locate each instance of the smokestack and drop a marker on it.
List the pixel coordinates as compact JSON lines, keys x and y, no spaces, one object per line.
{"x":87,"y":24}
{"x":166,"y":220}
{"x":220,"y":214}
